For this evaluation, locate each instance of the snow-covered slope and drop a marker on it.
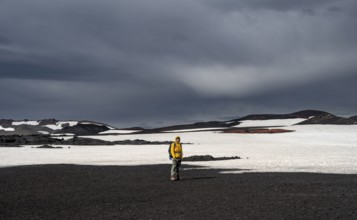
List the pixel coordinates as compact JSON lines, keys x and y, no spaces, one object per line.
{"x":119,"y":131}
{"x":6,"y":129}
{"x":270,"y":122}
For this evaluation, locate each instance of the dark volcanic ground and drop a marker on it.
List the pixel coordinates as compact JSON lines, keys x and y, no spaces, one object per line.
{"x":145,"y":192}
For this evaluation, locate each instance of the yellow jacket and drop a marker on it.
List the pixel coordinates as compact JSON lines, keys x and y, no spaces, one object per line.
{"x":176,"y":150}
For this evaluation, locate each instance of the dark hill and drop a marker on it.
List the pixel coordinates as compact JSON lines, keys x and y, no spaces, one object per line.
{"x":311,"y":116}
{"x":301,"y":114}
{"x":198,"y":125}
{"x":328,"y":118}
{"x":83,"y":129}
{"x":354,"y":118}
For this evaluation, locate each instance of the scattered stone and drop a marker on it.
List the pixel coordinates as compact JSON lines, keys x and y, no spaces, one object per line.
{"x":84,"y":141}
{"x":18,"y":140}
{"x":257,"y":131}
{"x":141,"y":142}
{"x":196,"y":158}
{"x":46,"y":146}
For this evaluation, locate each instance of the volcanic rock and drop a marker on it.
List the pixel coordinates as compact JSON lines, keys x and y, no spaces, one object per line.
{"x":85,"y":141}
{"x":17,"y":140}
{"x":256,"y":131}
{"x":141,"y":142}
{"x":83,"y":129}
{"x":207,"y":158}
{"x":48,"y":121}
{"x":46,"y":146}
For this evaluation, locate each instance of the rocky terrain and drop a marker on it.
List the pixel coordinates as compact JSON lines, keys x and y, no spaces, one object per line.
{"x":46,"y":146}
{"x":19,"y":140}
{"x":207,"y":158}
{"x":328,"y":118}
{"x":145,"y":192}
{"x":256,"y":131}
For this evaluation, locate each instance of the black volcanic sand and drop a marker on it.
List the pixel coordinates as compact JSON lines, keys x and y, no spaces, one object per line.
{"x":145,"y":192}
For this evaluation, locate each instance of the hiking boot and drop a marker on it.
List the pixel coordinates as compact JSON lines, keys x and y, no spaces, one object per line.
{"x":178,"y":178}
{"x":173,"y":178}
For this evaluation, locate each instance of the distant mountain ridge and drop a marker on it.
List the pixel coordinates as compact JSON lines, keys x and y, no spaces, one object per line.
{"x":311,"y":116}
{"x":55,"y":127}
{"x":301,"y":114}
{"x":51,"y":126}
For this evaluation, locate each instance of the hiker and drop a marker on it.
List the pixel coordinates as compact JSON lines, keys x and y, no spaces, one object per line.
{"x":176,"y":154}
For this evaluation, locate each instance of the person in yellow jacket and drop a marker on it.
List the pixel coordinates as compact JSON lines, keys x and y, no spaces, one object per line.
{"x":176,"y":153}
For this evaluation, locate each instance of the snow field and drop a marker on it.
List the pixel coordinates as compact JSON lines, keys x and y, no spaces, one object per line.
{"x":86,"y":155}
{"x":116,"y":131}
{"x":311,"y":148}
{"x":16,"y":123}
{"x":270,"y":122}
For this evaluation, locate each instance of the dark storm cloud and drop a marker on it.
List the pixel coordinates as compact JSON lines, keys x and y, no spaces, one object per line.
{"x":279,"y":5}
{"x":333,"y":94}
{"x":131,"y":61}
{"x":4,"y":40}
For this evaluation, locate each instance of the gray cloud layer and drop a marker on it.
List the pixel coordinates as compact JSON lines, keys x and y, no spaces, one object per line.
{"x":127,"y":62}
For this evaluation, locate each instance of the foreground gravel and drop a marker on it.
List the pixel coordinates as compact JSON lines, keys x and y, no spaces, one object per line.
{"x":145,"y":192}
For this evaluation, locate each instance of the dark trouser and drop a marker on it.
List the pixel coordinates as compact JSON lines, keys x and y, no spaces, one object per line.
{"x":175,"y":169}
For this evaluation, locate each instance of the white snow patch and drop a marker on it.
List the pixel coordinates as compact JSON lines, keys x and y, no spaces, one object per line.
{"x":43,"y":132}
{"x":34,"y":123}
{"x":59,"y":125}
{"x":311,"y":148}
{"x":53,"y":127}
{"x":59,"y":137}
{"x":7,"y":129}
{"x":63,"y":134}
{"x":117,"y":131}
{"x":270,"y":122}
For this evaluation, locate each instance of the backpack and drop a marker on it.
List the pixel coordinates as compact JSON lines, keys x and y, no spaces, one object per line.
{"x":170,"y":155}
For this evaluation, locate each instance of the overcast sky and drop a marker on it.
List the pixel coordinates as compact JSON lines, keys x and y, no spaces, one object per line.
{"x":159,"y":62}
